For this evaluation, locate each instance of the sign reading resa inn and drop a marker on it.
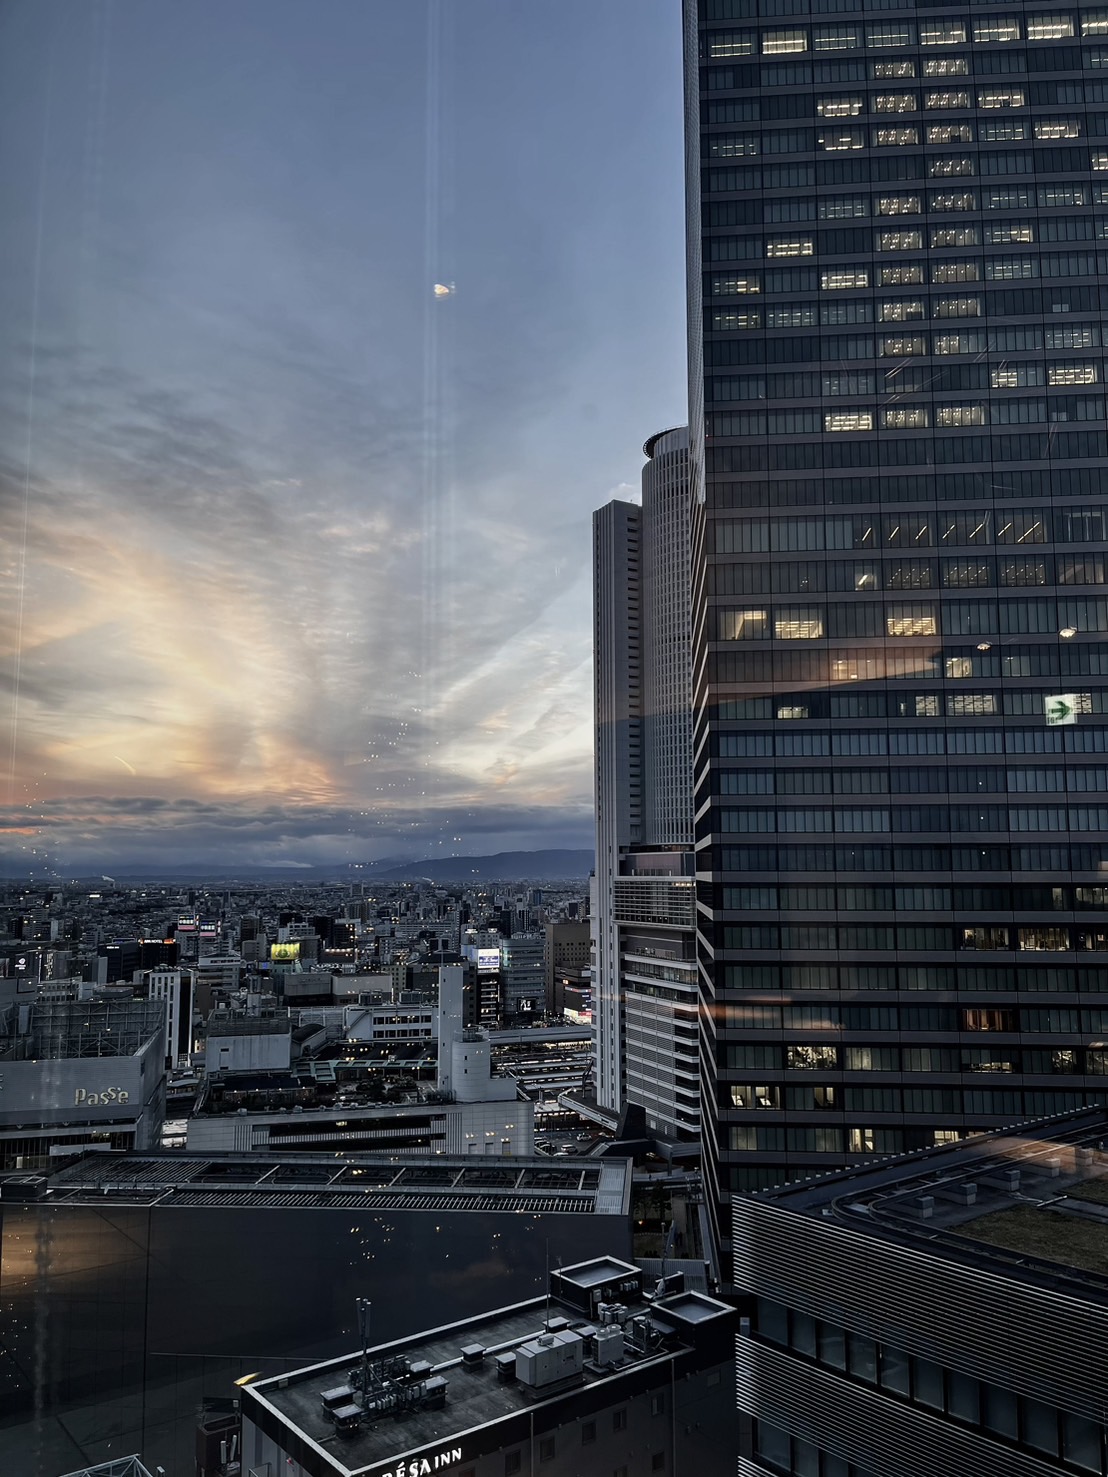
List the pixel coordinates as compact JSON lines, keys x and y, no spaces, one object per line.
{"x":421,"y":1466}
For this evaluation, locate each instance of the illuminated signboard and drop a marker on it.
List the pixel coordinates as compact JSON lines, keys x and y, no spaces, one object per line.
{"x":421,"y":1466}
{"x":285,"y":951}
{"x":488,"y":961}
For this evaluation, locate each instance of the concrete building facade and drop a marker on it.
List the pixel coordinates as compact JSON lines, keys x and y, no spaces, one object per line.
{"x":644,"y":971}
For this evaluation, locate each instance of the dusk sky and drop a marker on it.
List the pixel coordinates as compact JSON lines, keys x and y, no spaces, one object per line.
{"x":297,"y":558}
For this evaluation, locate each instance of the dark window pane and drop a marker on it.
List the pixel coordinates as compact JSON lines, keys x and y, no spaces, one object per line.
{"x":1081,"y":1443}
{"x":928,"y":1382}
{"x":964,"y":1397}
{"x":999,"y":1412}
{"x":894,"y":1371}
{"x":1040,"y":1427}
{"x":832,"y":1346}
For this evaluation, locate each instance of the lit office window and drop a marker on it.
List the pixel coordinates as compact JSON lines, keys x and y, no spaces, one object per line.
{"x":777,"y":43}
{"x":1011,"y":269}
{"x":946,"y":66}
{"x":837,"y":37}
{"x":735,"y":286}
{"x":901,"y":310}
{"x":848,"y":420}
{"x":955,"y":272}
{"x":730,"y":43}
{"x":842,"y":207}
{"x":842,"y":140}
{"x":888,"y":70}
{"x":947,"y":99}
{"x":944,"y":168}
{"x":1071,"y":374}
{"x":796,"y":315}
{"x":743,"y":625}
{"x":1049,"y":27}
{"x":1009,"y":233}
{"x":942,"y":33}
{"x":960,"y":415}
{"x":950,"y":133}
{"x":1002,"y":97}
{"x":884,"y":35}
{"x":957,"y":307}
{"x":899,"y":205}
{"x":972,"y":704}
{"x":798,"y":625}
{"x":996,"y":29}
{"x":1015,"y":197}
{"x":1054,"y":195}
{"x":839,"y":107}
{"x":894,"y":102}
{"x":954,"y":236}
{"x":905,"y":418}
{"x":885,"y":138}
{"x":784,"y":246}
{"x":735,"y":322}
{"x":972,"y":342}
{"x":900,"y":274}
{"x":899,"y":240}
{"x":1015,"y":376}
{"x":1050,"y":128}
{"x":733,"y":146}
{"x":954,"y":200}
{"x":1006,"y":132}
{"x":1079,"y":336}
{"x":911,"y":620}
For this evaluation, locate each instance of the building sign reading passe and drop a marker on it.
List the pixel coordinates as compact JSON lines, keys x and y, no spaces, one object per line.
{"x":102,"y":1098}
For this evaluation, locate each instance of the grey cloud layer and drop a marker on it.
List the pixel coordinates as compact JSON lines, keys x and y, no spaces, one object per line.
{"x":299,"y":540}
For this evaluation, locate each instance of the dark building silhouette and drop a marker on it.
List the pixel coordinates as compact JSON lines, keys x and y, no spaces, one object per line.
{"x":939,"y":1312}
{"x":898,"y":449}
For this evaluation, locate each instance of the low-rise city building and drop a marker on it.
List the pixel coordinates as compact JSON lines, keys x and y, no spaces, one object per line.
{"x":77,"y":1075}
{"x":602,"y":1375}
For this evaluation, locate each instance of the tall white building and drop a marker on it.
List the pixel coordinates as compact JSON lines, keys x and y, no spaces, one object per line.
{"x":644,"y":988}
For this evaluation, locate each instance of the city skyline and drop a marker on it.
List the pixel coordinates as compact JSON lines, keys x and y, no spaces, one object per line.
{"x":300,"y":568}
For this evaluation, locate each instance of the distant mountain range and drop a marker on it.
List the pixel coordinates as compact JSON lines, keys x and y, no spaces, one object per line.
{"x":505,"y":866}
{"x":556,"y":865}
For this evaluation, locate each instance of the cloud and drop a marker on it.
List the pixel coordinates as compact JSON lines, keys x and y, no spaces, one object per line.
{"x":284,"y":536}
{"x":192,"y":624}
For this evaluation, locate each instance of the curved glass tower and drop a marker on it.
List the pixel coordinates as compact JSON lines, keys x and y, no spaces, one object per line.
{"x":644,"y":985}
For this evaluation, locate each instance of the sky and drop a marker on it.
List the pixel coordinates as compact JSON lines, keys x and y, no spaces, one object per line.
{"x":296,"y":562}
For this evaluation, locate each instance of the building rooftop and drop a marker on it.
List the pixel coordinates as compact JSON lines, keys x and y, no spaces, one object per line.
{"x":437,"y":1183}
{"x":1031,"y":1200}
{"x":60,"y":1030}
{"x":493,"y":1368}
{"x":237,"y":1023}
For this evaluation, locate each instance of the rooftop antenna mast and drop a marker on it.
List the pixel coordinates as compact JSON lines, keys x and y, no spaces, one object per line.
{"x":546,"y":1325}
{"x":364,"y":1305}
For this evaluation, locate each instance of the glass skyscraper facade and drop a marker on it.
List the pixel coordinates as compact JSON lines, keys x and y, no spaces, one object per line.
{"x":898,"y":293}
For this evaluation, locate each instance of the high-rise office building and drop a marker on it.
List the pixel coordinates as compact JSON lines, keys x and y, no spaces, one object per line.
{"x":644,"y":986}
{"x":898,"y":460}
